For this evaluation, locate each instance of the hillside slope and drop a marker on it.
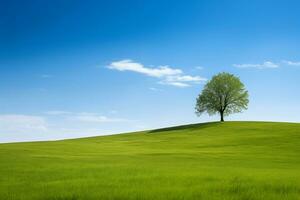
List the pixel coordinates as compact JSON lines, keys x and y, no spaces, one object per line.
{"x":231,"y":160}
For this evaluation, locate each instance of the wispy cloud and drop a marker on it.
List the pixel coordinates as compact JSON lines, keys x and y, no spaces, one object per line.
{"x":291,"y":63}
{"x":168,"y":75}
{"x":94,"y":118}
{"x":185,"y":78}
{"x":268,"y":64}
{"x":155,"y":89}
{"x":22,"y":123}
{"x":264,"y":65}
{"x":176,"y":84}
{"x":129,"y":65}
{"x":20,"y":127}
{"x":85,"y":116}
{"x":182,"y":81}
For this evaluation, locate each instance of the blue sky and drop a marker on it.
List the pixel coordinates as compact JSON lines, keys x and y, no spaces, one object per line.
{"x":82,"y":68}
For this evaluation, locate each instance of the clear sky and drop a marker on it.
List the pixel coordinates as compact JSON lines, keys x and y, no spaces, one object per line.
{"x":81,"y":68}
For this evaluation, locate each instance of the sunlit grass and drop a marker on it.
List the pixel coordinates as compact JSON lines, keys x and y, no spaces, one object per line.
{"x":231,"y":160}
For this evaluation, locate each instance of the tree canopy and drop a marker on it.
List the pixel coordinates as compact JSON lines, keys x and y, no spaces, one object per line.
{"x":224,"y":94}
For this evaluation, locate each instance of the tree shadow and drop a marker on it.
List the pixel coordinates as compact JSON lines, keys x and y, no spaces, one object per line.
{"x":186,"y":127}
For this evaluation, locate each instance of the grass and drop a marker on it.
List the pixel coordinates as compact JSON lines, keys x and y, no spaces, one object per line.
{"x":231,"y":160}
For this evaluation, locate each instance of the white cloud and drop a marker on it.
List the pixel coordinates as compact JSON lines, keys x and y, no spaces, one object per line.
{"x":185,"y":78}
{"x":155,"y":89}
{"x":264,"y":65}
{"x":94,"y":118}
{"x":22,"y":123}
{"x":19,"y":127}
{"x":129,"y":65}
{"x":291,"y":63}
{"x":86,"y":116}
{"x":176,"y":84}
{"x":168,"y":75}
{"x":182,"y":81}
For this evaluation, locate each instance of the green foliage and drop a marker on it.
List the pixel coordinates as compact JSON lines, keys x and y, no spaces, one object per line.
{"x":224,"y":94}
{"x":229,"y":161}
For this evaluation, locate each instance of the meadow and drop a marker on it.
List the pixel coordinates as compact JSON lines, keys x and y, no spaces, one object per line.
{"x":231,"y":160}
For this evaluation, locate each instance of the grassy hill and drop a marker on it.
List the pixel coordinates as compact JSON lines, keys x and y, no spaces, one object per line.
{"x":231,"y":160}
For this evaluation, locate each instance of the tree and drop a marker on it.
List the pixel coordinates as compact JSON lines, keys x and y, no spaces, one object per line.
{"x":224,"y":94}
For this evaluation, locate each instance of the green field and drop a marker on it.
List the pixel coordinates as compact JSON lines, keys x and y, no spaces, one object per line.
{"x":231,"y":160}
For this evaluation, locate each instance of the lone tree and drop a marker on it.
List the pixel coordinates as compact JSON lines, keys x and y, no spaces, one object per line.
{"x":224,"y":94}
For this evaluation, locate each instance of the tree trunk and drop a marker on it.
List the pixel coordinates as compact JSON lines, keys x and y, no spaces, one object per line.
{"x":222,"y":116}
